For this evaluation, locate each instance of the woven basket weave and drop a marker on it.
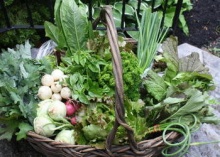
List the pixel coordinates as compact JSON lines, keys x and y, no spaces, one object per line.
{"x":145,"y":148}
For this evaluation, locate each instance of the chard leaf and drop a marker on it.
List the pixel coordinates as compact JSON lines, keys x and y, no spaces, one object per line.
{"x":155,"y":85}
{"x":170,"y":46}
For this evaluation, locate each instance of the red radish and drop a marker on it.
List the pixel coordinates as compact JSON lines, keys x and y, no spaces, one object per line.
{"x":70,"y":109}
{"x":73,"y":120}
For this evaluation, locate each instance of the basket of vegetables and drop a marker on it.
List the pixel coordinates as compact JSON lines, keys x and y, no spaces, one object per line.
{"x":100,"y":101}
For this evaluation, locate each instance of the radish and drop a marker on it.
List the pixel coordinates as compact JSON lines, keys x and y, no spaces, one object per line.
{"x":57,"y":74}
{"x":70,"y":109}
{"x":73,"y":120}
{"x":44,"y":92}
{"x":47,"y":80}
{"x":65,"y":93}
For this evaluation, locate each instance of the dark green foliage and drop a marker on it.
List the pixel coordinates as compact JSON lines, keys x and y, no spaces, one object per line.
{"x":17,"y":13}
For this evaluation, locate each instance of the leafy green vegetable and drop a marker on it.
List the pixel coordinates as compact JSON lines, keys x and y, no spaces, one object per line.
{"x":72,"y":27}
{"x":134,"y":118}
{"x":18,"y":89}
{"x":181,"y":92}
{"x":150,"y":36}
{"x":155,"y":85}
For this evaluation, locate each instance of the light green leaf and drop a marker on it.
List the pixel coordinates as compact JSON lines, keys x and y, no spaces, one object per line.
{"x":196,"y":101}
{"x":155,"y":85}
{"x":94,"y":132}
{"x":24,"y":128}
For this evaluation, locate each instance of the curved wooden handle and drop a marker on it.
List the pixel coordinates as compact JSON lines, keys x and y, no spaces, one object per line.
{"x":107,"y":19}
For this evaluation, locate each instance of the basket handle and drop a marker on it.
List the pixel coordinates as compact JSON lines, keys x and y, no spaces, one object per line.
{"x":107,"y":19}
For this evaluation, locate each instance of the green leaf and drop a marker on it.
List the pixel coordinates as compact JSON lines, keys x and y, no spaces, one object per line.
{"x":133,"y":118}
{"x":73,"y":24}
{"x":8,"y":128}
{"x":155,"y":85}
{"x":169,"y":47}
{"x":52,"y":31}
{"x":94,"y":132}
{"x":196,"y":101}
{"x":24,"y":50}
{"x":24,"y":128}
{"x":192,"y":63}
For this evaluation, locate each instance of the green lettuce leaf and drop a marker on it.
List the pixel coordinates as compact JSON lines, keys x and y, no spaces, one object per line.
{"x":155,"y":85}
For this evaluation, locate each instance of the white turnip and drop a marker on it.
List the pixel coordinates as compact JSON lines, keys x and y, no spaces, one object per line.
{"x":44,"y":92}
{"x":56,"y":87}
{"x":63,"y":81}
{"x":65,"y":93}
{"x":56,"y":96}
{"x":57,"y":74}
{"x":47,"y":80}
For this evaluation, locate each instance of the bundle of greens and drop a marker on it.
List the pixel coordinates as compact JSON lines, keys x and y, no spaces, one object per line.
{"x":178,"y":100}
{"x":20,"y":78}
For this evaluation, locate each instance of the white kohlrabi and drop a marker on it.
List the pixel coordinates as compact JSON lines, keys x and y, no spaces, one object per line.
{"x":44,"y":92}
{"x":44,"y":126}
{"x":43,"y":107}
{"x":57,"y":110}
{"x":65,"y":136}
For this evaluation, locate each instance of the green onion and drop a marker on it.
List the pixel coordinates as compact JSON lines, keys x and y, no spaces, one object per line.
{"x":150,"y":36}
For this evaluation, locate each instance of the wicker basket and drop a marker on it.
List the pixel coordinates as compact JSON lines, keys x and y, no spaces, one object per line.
{"x":145,"y":148}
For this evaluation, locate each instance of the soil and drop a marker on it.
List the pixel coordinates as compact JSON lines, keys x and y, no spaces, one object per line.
{"x":203,"y":22}
{"x":204,"y":32}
